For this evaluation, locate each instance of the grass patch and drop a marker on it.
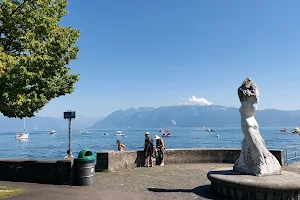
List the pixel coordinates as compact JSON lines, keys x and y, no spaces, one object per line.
{"x":9,"y":191}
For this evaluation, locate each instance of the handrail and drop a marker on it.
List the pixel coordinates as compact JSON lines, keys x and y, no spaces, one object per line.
{"x":292,"y":154}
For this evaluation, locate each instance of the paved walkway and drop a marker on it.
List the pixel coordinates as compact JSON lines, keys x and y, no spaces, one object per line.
{"x":187,"y":181}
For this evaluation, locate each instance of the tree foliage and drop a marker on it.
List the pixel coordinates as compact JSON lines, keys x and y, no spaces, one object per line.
{"x":34,"y":53}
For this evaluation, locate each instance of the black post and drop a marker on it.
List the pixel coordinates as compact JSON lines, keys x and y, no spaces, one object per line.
{"x":70,"y":115}
{"x":70,"y":146}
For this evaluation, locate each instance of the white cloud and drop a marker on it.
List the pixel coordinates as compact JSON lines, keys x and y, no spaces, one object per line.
{"x":198,"y":101}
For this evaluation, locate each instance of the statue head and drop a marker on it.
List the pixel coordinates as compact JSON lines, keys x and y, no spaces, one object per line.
{"x":248,"y":90}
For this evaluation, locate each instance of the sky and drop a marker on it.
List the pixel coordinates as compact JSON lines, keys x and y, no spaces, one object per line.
{"x":156,"y":53}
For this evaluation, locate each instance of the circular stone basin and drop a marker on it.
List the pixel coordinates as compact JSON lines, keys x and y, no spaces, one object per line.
{"x":233,"y":185}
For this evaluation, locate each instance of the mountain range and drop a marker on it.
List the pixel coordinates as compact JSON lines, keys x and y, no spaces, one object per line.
{"x":46,"y":123}
{"x":193,"y":116}
{"x":166,"y":116}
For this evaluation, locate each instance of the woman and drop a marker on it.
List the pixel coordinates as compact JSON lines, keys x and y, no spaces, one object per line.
{"x":148,"y":150}
{"x":121,"y":147}
{"x":160,"y":148}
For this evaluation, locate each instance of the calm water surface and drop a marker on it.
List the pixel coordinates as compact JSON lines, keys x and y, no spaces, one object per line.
{"x":43,"y":145}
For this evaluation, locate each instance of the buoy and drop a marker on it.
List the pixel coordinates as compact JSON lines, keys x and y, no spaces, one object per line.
{"x":217,"y":135}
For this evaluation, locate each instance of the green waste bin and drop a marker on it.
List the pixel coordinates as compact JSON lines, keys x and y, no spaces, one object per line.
{"x":84,"y":168}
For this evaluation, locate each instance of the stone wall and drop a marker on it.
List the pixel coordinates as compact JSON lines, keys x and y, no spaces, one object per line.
{"x":58,"y":172}
{"x":111,"y":160}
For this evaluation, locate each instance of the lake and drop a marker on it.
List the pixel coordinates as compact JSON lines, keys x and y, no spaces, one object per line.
{"x":43,"y":145}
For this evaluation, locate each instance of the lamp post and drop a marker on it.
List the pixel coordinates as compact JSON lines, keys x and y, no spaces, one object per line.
{"x":69,"y":115}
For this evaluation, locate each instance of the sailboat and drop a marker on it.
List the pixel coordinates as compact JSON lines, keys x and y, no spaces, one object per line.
{"x":84,"y":131}
{"x":24,"y":135}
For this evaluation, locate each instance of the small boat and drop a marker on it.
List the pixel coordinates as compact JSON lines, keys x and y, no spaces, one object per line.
{"x":52,"y":132}
{"x":297,"y":130}
{"x":24,"y":135}
{"x":167,"y":133}
{"x":82,"y":131}
{"x":85,"y":132}
{"x":284,"y":130}
{"x":120,"y":133}
{"x":105,"y":134}
{"x":210,"y":130}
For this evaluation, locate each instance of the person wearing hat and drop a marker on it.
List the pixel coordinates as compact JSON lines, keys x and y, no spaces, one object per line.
{"x":148,"y":150}
{"x":160,"y":148}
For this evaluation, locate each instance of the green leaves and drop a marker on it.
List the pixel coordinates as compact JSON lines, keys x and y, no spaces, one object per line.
{"x":34,"y":53}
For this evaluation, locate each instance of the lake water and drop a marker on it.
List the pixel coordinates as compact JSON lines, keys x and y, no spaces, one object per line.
{"x":43,"y":145}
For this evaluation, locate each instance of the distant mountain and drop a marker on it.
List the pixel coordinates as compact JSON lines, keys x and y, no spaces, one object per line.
{"x":46,"y":123}
{"x":193,"y":116}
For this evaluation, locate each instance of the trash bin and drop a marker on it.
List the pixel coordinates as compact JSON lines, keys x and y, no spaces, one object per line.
{"x":84,"y":168}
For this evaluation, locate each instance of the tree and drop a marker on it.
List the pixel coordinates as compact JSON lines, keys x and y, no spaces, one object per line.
{"x":34,"y":53}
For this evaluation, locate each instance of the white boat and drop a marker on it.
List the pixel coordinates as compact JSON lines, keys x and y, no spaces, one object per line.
{"x":85,"y":132}
{"x":120,"y":133}
{"x":52,"y":132}
{"x":82,"y":131}
{"x":210,"y":130}
{"x":24,"y":135}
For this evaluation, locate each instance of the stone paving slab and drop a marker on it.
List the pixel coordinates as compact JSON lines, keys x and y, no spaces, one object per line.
{"x":185,"y":181}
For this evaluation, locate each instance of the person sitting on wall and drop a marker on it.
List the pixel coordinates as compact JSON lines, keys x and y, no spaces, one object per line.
{"x":121,"y":147}
{"x":69,"y":155}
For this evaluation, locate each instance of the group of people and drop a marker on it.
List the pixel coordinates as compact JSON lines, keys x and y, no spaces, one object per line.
{"x":150,"y":150}
{"x":153,"y":151}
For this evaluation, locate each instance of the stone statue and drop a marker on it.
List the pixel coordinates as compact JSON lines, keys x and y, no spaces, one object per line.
{"x":255,"y":159}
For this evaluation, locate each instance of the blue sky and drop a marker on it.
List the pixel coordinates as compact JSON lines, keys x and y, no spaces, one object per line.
{"x":137,"y":53}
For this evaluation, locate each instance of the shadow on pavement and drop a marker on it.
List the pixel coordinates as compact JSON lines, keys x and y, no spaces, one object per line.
{"x":202,"y":191}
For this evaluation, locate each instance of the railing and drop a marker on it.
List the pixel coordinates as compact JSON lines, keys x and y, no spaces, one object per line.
{"x":292,"y":154}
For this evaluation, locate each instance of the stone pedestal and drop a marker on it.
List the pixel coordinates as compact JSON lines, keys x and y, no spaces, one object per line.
{"x":232,"y":185}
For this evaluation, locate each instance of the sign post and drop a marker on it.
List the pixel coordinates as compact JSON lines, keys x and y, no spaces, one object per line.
{"x":70,"y":115}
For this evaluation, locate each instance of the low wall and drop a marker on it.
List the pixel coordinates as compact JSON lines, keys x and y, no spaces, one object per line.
{"x":112,"y":160}
{"x":58,"y":172}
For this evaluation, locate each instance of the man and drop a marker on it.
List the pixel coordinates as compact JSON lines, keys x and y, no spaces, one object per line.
{"x":148,"y":150}
{"x":160,"y":148}
{"x":69,"y":155}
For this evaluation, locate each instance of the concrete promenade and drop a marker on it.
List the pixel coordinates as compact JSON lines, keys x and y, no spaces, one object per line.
{"x":185,"y":181}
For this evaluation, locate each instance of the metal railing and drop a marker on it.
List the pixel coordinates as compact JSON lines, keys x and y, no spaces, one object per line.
{"x":292,"y":154}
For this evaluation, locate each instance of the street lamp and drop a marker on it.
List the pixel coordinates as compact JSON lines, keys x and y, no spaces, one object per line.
{"x":69,"y":115}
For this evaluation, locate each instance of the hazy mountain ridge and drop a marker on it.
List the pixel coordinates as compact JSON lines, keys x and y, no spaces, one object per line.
{"x":193,"y":116}
{"x":46,"y":123}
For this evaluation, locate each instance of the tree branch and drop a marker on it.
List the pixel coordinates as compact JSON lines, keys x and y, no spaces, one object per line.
{"x":2,"y":5}
{"x":11,"y":14}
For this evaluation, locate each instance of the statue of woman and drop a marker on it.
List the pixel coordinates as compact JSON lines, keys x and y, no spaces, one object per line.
{"x":255,"y":159}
